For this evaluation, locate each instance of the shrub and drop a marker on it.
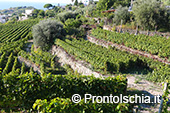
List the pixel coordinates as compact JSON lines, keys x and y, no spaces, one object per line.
{"x":66,"y":15}
{"x":64,"y":105}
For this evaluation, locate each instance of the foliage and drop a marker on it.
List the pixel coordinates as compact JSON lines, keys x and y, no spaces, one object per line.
{"x":66,"y":15}
{"x":45,"y":32}
{"x":166,"y":2}
{"x":156,"y":15}
{"x":43,"y":60}
{"x":50,"y":13}
{"x":41,"y":14}
{"x":76,"y":2}
{"x":151,"y":44}
{"x":48,"y":6}
{"x":35,"y":13}
{"x":21,"y":91}
{"x":121,"y":13}
{"x":14,"y":36}
{"x":155,"y":45}
{"x":103,"y":60}
{"x":72,"y":27}
{"x":106,"y":4}
{"x":63,"y":105}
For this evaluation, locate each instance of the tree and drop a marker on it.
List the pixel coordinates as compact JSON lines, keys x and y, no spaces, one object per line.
{"x":121,"y":13}
{"x":149,"y":14}
{"x":66,"y":15}
{"x":45,"y":32}
{"x":50,"y":13}
{"x":48,"y":6}
{"x":166,"y":2}
{"x":35,"y":13}
{"x":76,"y":2}
{"x":106,"y":4}
{"x":41,"y":14}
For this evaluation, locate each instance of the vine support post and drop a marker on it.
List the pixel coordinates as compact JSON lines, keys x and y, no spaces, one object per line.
{"x":162,"y":100}
{"x":121,"y":25}
{"x":136,"y":29}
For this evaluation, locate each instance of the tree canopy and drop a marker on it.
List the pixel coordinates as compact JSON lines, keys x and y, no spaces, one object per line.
{"x":106,"y":4}
{"x":76,"y":2}
{"x":166,"y":2}
{"x":149,"y":14}
{"x":48,"y":6}
{"x":45,"y":32}
{"x":121,"y":13}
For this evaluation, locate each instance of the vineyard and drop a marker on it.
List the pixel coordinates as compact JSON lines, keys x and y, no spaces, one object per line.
{"x":13,"y":38}
{"x":113,"y":61}
{"x":91,"y":56}
{"x":155,"y":45}
{"x":24,"y":88}
{"x":106,"y":61}
{"x":21,"y":85}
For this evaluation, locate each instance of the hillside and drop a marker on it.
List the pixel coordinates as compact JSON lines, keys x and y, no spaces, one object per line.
{"x":63,"y":60}
{"x":15,"y":10}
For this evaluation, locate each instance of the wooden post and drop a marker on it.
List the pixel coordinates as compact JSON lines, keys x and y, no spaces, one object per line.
{"x":136,"y":29}
{"x":121,"y":26}
{"x":162,"y":100}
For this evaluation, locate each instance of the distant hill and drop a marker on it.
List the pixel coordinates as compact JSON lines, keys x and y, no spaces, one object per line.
{"x":15,"y":10}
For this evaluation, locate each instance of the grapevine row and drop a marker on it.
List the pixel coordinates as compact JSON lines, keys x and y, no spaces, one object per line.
{"x":155,"y":45}
{"x":115,"y":61}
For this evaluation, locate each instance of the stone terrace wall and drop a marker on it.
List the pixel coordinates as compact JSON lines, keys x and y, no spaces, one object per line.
{"x":76,"y":65}
{"x":29,"y":64}
{"x":124,"y":48}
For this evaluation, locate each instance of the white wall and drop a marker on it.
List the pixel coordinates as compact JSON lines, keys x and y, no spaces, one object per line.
{"x":29,"y":11}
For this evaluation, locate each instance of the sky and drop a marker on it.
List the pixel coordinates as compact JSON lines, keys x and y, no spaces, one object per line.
{"x":39,"y":1}
{"x":5,"y":4}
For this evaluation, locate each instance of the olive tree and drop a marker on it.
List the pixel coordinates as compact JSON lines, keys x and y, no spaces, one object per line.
{"x":149,"y":14}
{"x":45,"y":32}
{"x":121,"y":13}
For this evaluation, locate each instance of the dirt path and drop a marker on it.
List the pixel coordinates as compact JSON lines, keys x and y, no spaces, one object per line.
{"x":138,"y":85}
{"x":137,"y":82}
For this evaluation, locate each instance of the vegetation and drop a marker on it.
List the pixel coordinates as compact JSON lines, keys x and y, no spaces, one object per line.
{"x":121,"y":14}
{"x":45,"y":32}
{"x":151,"y":44}
{"x":106,"y":4}
{"x":157,"y":14}
{"x":23,"y":90}
{"x":103,"y":60}
{"x":29,"y":87}
{"x":48,"y":6}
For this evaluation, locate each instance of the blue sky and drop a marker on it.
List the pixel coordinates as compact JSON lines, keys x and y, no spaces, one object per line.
{"x":5,"y":4}
{"x":39,"y":1}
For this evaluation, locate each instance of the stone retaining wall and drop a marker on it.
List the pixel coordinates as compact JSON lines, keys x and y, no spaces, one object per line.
{"x":29,"y":64}
{"x":124,"y":48}
{"x":79,"y":66}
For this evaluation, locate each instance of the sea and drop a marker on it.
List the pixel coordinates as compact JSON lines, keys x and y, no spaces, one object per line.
{"x":37,"y":5}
